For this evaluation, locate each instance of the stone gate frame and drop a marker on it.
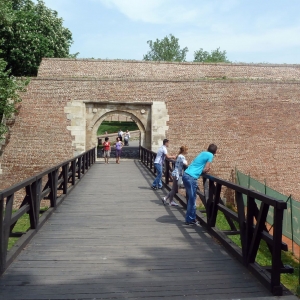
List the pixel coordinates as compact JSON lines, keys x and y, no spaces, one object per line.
{"x":86,"y":117}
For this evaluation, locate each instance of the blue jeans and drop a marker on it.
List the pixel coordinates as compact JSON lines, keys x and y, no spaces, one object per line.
{"x":157,"y":181}
{"x":191,"y":185}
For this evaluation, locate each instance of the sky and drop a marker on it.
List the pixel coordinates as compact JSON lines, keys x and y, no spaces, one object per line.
{"x":251,"y":31}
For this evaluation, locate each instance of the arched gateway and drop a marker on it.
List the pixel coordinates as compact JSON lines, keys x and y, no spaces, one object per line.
{"x":87,"y":116}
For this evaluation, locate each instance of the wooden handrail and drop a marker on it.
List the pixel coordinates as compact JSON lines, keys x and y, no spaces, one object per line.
{"x":62,"y":177}
{"x":251,"y":233}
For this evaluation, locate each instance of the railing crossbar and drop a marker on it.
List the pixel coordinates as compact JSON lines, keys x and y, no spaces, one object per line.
{"x":57,"y":177}
{"x":251,"y":232}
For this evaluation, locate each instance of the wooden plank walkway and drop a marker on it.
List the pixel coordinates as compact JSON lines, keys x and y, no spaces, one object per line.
{"x":113,"y":239}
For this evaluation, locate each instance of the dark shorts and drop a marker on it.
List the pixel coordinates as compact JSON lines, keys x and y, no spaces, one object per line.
{"x":118,"y":152}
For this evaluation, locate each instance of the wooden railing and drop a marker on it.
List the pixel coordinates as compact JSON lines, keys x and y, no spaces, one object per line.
{"x":247,"y":220}
{"x":51,"y":185}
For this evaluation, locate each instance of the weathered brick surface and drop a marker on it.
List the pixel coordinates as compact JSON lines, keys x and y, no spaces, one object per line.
{"x":255,"y":123}
{"x":108,"y":69}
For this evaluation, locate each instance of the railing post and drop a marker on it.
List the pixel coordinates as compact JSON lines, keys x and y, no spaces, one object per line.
{"x":86,"y":161}
{"x":73,"y":165}
{"x":6,"y":227}
{"x":276,"y":252}
{"x":214,"y":199}
{"x":148,"y":158}
{"x":3,"y":247}
{"x":83,"y":163}
{"x":249,"y":225}
{"x":53,"y":178}
{"x":241,"y":214}
{"x":151,"y":161}
{"x":65,"y":170}
{"x":36,"y":188}
{"x":167,"y":171}
{"x":89,"y":156}
{"x":210,"y":201}
{"x":79,"y":167}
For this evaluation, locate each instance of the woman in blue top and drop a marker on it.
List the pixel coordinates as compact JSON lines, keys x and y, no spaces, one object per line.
{"x":178,"y":170}
{"x":118,"y":147}
{"x":201,"y":164}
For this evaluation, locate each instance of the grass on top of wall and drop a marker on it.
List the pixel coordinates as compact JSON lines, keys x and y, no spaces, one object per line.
{"x":115,"y":126}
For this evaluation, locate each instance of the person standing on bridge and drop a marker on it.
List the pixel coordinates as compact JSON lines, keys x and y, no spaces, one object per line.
{"x":201,"y":164}
{"x":118,"y":146}
{"x":177,"y":173}
{"x":162,"y":153}
{"x":106,"y":150}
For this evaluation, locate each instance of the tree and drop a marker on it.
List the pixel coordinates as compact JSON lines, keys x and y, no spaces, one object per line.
{"x":214,"y":56}
{"x":167,"y":49}
{"x":9,"y":95}
{"x":30,"y":32}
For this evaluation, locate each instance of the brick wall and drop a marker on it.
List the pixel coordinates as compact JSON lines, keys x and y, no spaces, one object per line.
{"x":255,"y":123}
{"x":108,"y":69}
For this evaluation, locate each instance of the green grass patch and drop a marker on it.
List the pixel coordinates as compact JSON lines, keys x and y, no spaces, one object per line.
{"x":264,"y":258}
{"x":115,"y":126}
{"x":23,"y":225}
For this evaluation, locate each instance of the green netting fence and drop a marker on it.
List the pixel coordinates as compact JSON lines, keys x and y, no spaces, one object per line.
{"x":291,"y":218}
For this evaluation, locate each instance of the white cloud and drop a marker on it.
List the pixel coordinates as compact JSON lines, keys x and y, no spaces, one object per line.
{"x":166,"y":11}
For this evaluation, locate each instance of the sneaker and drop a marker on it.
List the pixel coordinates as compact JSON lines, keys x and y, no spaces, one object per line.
{"x":173,"y":203}
{"x":196,"y":223}
{"x":154,"y":187}
{"x":164,"y":201}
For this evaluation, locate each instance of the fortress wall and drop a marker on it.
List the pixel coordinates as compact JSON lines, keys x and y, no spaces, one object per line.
{"x":254,"y":123}
{"x":113,"y":69}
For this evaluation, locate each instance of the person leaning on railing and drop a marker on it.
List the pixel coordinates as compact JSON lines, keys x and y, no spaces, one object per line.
{"x":161,"y":155}
{"x":201,"y":164}
{"x":176,"y":174}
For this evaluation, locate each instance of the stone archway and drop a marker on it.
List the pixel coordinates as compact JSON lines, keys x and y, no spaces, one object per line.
{"x":85,"y":118}
{"x":92,"y":141}
{"x":96,"y":113}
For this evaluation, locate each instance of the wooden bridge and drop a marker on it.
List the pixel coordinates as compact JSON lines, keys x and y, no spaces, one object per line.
{"x":107,"y":235}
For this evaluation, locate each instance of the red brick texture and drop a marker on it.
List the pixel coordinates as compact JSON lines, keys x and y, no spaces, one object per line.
{"x":255,"y":123}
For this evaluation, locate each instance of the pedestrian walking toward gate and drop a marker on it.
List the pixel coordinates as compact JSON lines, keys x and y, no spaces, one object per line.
{"x":118,"y":146}
{"x":126,"y":138}
{"x":106,"y":150}
{"x":162,"y":153}
{"x":201,"y":164}
{"x":177,"y":174}
{"x":120,"y":134}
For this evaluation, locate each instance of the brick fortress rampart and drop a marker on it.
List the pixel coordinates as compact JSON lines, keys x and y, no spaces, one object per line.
{"x":250,"y":111}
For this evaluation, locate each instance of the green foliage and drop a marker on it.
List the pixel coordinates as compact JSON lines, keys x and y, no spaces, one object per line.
{"x":22,"y":225}
{"x":167,"y":49}
{"x":264,"y":258}
{"x":214,"y":56}
{"x":114,"y":126}
{"x":30,"y":32}
{"x":9,"y":95}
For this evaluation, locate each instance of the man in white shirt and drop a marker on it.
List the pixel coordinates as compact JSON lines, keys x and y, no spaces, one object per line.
{"x":162,"y":153}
